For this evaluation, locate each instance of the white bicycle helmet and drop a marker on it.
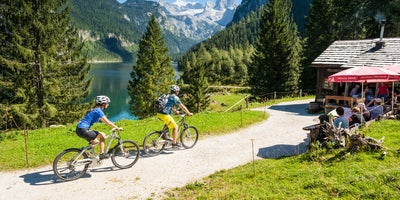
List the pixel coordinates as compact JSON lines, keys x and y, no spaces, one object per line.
{"x":174,"y":88}
{"x":102,"y":99}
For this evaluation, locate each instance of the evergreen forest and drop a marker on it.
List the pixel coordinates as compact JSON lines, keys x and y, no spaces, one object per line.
{"x":232,"y":49}
{"x":43,"y":61}
{"x":43,"y":75}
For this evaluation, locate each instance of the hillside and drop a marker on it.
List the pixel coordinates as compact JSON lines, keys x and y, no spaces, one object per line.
{"x":232,"y":48}
{"x":112,"y":30}
{"x":244,"y":27}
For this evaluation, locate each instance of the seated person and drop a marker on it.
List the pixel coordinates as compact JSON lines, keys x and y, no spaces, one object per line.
{"x":357,"y":117}
{"x":369,"y":94}
{"x":382,"y":91}
{"x":395,"y":96}
{"x":376,"y":109}
{"x":365,"y":112}
{"x":355,"y":93}
{"x":341,"y":121}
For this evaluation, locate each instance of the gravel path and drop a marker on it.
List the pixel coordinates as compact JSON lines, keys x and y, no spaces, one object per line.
{"x":280,"y":135}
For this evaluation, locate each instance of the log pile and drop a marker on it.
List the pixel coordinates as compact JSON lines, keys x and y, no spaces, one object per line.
{"x":359,"y":141}
{"x":343,"y":138}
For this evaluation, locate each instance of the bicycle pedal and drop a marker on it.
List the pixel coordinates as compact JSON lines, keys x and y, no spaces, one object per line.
{"x":104,"y":156}
{"x":96,"y":161}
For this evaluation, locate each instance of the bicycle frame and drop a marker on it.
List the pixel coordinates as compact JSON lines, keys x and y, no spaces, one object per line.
{"x":156,"y":141}
{"x":90,"y":147}
{"x":181,"y":124}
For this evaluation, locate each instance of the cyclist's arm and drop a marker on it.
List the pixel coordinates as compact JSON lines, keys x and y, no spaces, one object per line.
{"x":183,"y":107}
{"x":105,"y":120}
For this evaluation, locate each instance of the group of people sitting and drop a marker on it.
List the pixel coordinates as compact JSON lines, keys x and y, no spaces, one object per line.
{"x":361,"y":113}
{"x":370,"y":109}
{"x":382,"y":91}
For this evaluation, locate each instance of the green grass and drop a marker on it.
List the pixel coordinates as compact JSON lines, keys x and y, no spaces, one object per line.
{"x":321,"y":174}
{"x":231,"y":99}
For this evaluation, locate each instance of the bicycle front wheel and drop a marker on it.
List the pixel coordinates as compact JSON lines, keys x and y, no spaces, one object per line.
{"x":71,"y":164}
{"x":153,"y":143}
{"x":126,"y":154}
{"x":189,"y":137}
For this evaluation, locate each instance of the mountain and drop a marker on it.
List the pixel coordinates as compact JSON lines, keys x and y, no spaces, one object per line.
{"x":246,"y":7}
{"x":113,"y":29}
{"x":195,"y":21}
{"x":300,"y":10}
{"x":243,"y":30}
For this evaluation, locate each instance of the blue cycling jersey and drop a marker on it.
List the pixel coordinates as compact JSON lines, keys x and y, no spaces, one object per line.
{"x":90,"y":118}
{"x":172,"y":101}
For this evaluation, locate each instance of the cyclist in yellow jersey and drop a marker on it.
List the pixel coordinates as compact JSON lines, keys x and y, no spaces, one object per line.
{"x":173,"y":100}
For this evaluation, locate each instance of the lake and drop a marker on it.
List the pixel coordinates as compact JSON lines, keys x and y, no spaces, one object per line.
{"x":111,"y":79}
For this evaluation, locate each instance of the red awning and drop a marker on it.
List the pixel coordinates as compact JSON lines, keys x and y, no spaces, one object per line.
{"x":394,"y":68}
{"x":365,"y":74}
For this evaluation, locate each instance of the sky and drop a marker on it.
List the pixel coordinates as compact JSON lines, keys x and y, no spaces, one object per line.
{"x":200,"y":1}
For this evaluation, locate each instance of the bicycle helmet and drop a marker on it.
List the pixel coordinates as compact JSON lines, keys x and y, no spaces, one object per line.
{"x":102,"y":99}
{"x":174,"y":88}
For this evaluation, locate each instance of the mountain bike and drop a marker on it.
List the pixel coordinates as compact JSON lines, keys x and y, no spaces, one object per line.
{"x":155,"y":142}
{"x":73,"y":163}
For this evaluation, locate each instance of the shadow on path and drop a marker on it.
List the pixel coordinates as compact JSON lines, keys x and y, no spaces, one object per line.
{"x":40,"y":178}
{"x":281,"y":150}
{"x":298,"y":109}
{"x":47,"y":177}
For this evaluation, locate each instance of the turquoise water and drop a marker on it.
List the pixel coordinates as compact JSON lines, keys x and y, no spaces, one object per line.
{"x":111,"y":79}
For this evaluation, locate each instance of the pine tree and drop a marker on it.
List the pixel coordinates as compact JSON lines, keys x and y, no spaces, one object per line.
{"x":276,"y":60}
{"x":43,"y":75}
{"x":198,"y":92}
{"x":153,"y":73}
{"x":319,"y":34}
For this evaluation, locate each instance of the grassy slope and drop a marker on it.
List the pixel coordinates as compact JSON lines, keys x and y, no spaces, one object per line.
{"x":322,"y":174}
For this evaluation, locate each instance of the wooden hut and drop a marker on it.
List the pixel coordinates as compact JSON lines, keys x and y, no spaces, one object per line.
{"x":344,"y":54}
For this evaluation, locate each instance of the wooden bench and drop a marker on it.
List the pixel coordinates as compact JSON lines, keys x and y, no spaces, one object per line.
{"x":332,"y":102}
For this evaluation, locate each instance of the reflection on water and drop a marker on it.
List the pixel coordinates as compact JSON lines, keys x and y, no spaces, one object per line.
{"x":111,"y":79}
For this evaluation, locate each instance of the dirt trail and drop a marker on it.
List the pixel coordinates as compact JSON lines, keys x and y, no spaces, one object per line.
{"x":280,"y":135}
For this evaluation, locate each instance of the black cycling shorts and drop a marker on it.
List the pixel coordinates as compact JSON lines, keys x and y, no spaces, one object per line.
{"x":86,"y":134}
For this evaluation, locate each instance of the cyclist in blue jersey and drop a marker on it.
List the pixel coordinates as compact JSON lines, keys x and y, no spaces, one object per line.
{"x":173,"y":100}
{"x":83,"y":128}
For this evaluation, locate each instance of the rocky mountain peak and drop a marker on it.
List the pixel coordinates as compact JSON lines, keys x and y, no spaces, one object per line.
{"x":197,"y":21}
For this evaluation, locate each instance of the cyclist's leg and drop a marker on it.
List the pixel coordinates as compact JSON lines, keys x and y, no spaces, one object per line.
{"x":87,"y":134}
{"x":90,"y":136}
{"x":174,"y":134}
{"x":170,"y":122}
{"x":102,"y":138}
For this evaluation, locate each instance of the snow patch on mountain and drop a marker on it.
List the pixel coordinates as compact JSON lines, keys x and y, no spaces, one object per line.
{"x":197,"y":21}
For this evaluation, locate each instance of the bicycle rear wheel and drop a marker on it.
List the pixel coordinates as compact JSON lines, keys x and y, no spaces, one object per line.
{"x":189,"y":137}
{"x":153,"y":143}
{"x":126,"y":154}
{"x":70,"y":164}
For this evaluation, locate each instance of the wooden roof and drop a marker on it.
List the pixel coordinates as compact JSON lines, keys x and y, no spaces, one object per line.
{"x":356,"y":53}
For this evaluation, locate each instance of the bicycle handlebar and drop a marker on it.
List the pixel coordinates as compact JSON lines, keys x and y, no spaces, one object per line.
{"x":116,"y":129}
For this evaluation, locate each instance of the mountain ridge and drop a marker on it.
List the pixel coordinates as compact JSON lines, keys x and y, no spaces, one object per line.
{"x":115,"y":28}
